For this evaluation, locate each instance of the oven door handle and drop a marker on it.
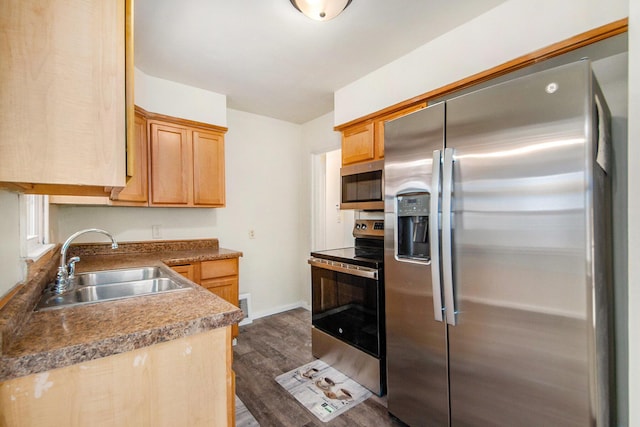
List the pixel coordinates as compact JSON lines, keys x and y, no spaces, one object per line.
{"x":340,"y":267}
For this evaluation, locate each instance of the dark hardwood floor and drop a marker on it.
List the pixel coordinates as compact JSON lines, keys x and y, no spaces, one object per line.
{"x":276,"y":344}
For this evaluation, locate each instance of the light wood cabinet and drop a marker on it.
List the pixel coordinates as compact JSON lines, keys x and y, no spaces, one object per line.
{"x":136,"y":192}
{"x":358,"y":144}
{"x":186,"y":163}
{"x":63,"y":105}
{"x":174,"y":163}
{"x":190,"y":271}
{"x":208,"y":169}
{"x":171,"y":164}
{"x":220,"y":277}
{"x":364,"y":142}
{"x":184,"y":382}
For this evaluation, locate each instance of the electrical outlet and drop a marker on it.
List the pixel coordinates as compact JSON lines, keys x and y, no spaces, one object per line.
{"x":252,"y":234}
{"x":155,"y":232}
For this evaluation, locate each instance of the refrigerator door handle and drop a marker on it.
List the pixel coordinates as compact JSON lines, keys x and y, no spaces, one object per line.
{"x":447,"y":259}
{"x":434,"y":236}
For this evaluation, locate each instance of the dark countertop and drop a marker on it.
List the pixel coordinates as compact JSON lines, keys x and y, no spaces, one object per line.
{"x":33,"y":342}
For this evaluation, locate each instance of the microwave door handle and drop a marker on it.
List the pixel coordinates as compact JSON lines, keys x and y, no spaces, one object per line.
{"x":447,"y":258}
{"x":434,"y":236}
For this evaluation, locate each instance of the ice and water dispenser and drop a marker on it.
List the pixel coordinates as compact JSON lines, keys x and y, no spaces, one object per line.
{"x":413,"y":226}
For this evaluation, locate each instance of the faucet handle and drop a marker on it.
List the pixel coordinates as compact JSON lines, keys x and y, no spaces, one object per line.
{"x":71,"y":266}
{"x":61,"y":283}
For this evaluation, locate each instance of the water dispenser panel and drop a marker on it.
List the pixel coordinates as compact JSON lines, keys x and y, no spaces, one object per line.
{"x":414,"y":205}
{"x":413,"y":226}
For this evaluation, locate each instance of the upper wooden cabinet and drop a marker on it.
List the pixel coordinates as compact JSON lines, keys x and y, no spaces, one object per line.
{"x":364,"y":142}
{"x":136,"y":192}
{"x":173,"y":162}
{"x":358,"y":144}
{"x":208,"y":168}
{"x":186,"y":164}
{"x":63,"y":105}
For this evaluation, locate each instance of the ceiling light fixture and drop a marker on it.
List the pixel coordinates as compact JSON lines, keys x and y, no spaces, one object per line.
{"x":321,"y":10}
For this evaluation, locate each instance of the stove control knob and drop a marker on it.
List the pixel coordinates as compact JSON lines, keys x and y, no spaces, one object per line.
{"x":364,"y":226}
{"x":340,"y":330}
{"x":357,"y":226}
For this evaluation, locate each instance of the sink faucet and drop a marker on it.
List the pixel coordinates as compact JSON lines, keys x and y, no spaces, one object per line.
{"x":67,"y":271}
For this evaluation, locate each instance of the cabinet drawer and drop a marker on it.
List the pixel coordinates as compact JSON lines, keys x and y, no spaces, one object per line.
{"x":219,"y":268}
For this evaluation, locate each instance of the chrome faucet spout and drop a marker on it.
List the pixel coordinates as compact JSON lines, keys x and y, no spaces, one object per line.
{"x":66,"y":272}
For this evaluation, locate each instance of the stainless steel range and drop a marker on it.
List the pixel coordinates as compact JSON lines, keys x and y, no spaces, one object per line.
{"x":348,"y":306}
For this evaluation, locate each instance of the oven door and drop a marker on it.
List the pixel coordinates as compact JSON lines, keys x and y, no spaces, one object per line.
{"x":347,"y":304}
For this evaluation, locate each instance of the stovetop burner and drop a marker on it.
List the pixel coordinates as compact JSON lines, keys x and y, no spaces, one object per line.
{"x":368,"y":250}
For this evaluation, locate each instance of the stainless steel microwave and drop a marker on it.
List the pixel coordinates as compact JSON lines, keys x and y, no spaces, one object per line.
{"x":362,"y":186}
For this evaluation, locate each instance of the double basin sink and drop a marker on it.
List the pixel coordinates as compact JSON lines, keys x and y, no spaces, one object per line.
{"x":108,"y":285}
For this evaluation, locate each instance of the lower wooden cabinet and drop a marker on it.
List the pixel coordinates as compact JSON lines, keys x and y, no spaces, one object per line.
{"x":190,"y":271}
{"x":220,"y":277}
{"x":184,"y":382}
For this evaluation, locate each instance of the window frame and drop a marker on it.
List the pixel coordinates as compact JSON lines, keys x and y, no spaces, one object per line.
{"x":35,"y":225}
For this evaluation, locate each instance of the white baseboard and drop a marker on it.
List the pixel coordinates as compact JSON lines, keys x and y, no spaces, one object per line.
{"x":281,"y":309}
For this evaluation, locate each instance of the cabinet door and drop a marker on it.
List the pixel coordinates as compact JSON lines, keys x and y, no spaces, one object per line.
{"x":171,"y":165}
{"x":357,"y":144}
{"x":227,"y":289}
{"x":62,"y":103}
{"x":187,"y":270}
{"x":221,"y":278}
{"x":136,"y":191}
{"x":208,"y":168}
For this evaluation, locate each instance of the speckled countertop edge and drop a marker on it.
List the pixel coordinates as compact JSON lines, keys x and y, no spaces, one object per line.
{"x":56,"y":338}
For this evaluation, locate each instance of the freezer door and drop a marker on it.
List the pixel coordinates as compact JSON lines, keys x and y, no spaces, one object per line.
{"x":519,"y":352}
{"x":416,"y":341}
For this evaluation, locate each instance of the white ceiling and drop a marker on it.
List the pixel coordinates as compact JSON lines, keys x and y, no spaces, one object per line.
{"x":269,"y":59}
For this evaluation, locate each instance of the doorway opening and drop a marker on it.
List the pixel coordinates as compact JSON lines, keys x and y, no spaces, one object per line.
{"x":332,"y":227}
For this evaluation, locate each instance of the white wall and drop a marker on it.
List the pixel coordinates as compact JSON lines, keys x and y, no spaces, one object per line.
{"x":175,"y":99}
{"x":512,"y":29}
{"x":264,"y":194}
{"x":11,"y":263}
{"x":634,"y":213}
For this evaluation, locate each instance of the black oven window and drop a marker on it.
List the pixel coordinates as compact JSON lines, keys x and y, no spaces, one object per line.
{"x":346,"y":307}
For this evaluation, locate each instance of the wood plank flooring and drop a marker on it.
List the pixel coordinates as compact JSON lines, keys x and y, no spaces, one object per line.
{"x":276,"y":344}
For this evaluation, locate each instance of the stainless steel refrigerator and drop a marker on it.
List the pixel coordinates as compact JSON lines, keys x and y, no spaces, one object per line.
{"x":497,"y":256}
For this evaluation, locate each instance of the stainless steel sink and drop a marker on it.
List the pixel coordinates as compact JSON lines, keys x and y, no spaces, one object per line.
{"x":108,"y":285}
{"x":97,"y":278}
